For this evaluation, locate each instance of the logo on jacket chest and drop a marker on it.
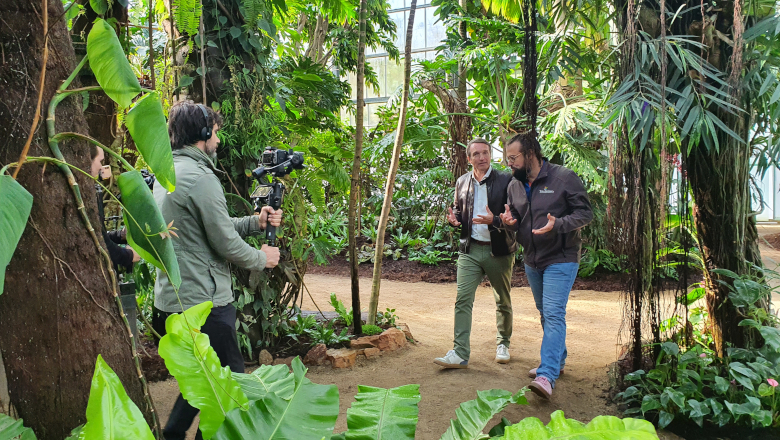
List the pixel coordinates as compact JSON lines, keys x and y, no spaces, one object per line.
{"x":546,"y":191}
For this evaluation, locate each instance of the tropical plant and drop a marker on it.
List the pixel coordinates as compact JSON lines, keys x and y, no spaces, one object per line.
{"x":345,"y":315}
{"x":326,"y":334}
{"x":386,"y":318}
{"x":300,"y":326}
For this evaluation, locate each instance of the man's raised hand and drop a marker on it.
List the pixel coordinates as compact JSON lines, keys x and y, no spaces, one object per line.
{"x":268,"y":215}
{"x":548,"y":227}
{"x":271,"y":256}
{"x":452,"y":218}
{"x":486,"y":219}
{"x":507,"y":218}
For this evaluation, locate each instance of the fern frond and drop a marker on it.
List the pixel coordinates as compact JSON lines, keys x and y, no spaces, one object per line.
{"x":186,"y":14}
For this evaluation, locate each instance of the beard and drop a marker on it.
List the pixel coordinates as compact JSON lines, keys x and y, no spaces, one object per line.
{"x":520,"y":174}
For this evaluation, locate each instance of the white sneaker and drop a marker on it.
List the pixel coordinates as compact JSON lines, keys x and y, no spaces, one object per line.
{"x":502,"y":354}
{"x":451,"y":360}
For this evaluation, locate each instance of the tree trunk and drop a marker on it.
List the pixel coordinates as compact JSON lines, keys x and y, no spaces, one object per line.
{"x":459,"y":127}
{"x":390,"y":186}
{"x":58,"y":311}
{"x":354,"y":212}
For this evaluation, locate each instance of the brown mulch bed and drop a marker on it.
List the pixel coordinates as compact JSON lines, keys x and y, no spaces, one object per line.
{"x":414,"y":272}
{"x":151,"y":362}
{"x":773,"y":240}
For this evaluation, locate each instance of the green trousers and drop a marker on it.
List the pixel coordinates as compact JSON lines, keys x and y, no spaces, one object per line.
{"x":472,"y":268}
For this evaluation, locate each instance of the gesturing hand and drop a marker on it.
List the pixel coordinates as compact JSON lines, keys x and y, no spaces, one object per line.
{"x":484,"y":219}
{"x":507,"y":218}
{"x":548,"y":227}
{"x":452,"y":218}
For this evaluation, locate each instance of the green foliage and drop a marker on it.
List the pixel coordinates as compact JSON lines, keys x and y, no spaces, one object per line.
{"x":370,"y":330}
{"x":310,"y":412}
{"x":146,"y":123}
{"x":193,"y":362}
{"x":344,"y":315}
{"x":186,"y":14}
{"x":15,"y":206}
{"x":147,"y":232}
{"x":695,"y":385}
{"x":600,"y":428}
{"x":267,"y":379}
{"x":379,"y":413}
{"x":300,"y":326}
{"x":325,"y":334}
{"x":12,"y":429}
{"x":431,"y":257}
{"x":474,"y":415}
{"x":387,"y":318}
{"x":109,"y":64}
{"x":111,"y":415}
{"x":592,"y":259}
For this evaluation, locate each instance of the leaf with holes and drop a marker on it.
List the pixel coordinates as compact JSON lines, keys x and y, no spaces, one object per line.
{"x":15,"y":206}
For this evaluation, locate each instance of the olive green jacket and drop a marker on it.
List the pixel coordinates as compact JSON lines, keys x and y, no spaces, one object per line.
{"x":208,"y":239}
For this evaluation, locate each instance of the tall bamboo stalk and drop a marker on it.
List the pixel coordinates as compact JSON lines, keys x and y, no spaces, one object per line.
{"x":355,"y":187}
{"x":390,"y":185}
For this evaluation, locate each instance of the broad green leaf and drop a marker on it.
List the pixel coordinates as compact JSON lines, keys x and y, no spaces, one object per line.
{"x":185,"y":80}
{"x":15,"y":206}
{"x":99,"y":6}
{"x":692,"y":296}
{"x":75,"y":433}
{"x":600,"y":428}
{"x":475,"y":414}
{"x":203,"y":381}
{"x":379,"y":413}
{"x":146,"y":123}
{"x":267,"y":379}
{"x":664,"y":419}
{"x":772,"y":336}
{"x":12,"y":429}
{"x":109,"y":64}
{"x":310,"y":413}
{"x":111,"y":415}
{"x":145,"y":224}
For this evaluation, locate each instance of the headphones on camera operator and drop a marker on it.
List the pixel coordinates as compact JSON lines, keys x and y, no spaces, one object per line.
{"x":205,"y":132}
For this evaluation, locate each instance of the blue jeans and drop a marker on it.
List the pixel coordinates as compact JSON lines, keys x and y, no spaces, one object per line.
{"x":551,"y":287}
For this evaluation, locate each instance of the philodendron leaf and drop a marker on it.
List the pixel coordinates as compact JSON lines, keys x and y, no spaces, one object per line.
{"x":600,"y":428}
{"x":99,"y":6}
{"x":309,"y":414}
{"x":15,"y":206}
{"x":474,"y":415}
{"x":109,"y":64}
{"x":111,"y":415}
{"x":146,"y":123}
{"x":379,"y":413}
{"x":146,"y":229}
{"x":267,"y":379}
{"x":12,"y":429}
{"x":203,"y":381}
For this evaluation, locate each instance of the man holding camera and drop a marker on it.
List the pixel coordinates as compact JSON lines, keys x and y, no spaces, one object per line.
{"x":485,"y":249}
{"x":209,"y":239}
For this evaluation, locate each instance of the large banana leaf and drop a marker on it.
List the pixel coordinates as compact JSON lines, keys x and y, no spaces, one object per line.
{"x":275,"y":379}
{"x":378,"y":413}
{"x":475,"y":414}
{"x":202,"y":380}
{"x":146,"y":123}
{"x":12,"y":429}
{"x":310,"y":413}
{"x":111,"y":415}
{"x":15,"y":206}
{"x":146,"y":228}
{"x":600,"y":428}
{"x":109,"y":64}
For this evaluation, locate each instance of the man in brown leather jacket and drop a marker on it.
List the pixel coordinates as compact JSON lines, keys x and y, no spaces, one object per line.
{"x":485,"y":249}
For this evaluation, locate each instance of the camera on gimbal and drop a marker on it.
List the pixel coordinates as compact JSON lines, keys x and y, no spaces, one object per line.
{"x":276,"y":163}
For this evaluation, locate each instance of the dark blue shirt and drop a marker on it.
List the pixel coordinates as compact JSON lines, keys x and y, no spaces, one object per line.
{"x":528,"y":186}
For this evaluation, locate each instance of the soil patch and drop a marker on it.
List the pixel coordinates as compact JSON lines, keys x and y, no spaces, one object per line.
{"x":152,"y":364}
{"x":773,"y":240}
{"x":446,"y":272}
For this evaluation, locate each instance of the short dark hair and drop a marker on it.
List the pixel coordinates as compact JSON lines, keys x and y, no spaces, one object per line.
{"x":529,"y":145}
{"x":476,"y":141}
{"x":185,"y":121}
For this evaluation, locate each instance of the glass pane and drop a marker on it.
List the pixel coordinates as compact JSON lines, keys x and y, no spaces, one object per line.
{"x":398,"y":18}
{"x":435,"y":33}
{"x":395,"y":76}
{"x":418,"y":32}
{"x":353,"y":84}
{"x":396,"y":4}
{"x":378,"y":66}
{"x":370,"y":115}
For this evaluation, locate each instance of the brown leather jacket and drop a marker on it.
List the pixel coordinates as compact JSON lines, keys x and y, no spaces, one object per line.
{"x":502,"y":242}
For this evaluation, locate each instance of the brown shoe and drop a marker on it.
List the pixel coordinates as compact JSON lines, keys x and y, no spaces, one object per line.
{"x":532,"y":373}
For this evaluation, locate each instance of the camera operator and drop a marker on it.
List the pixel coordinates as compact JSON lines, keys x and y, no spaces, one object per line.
{"x":120,"y":255}
{"x":209,"y":239}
